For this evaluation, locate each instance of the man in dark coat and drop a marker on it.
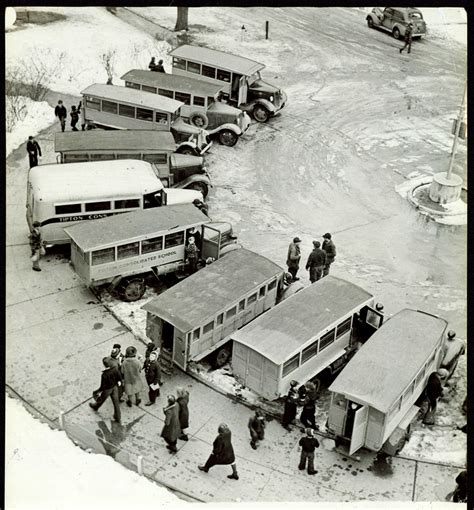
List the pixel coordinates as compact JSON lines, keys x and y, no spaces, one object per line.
{"x":454,"y":348}
{"x":117,"y":358}
{"x":153,"y":377}
{"x":109,"y":382}
{"x":201,"y":206}
{"x":61,"y":113}
{"x":36,"y":245}
{"x":316,"y":262}
{"x":293,"y":258}
{"x":192,"y":254}
{"x":308,"y":415}
{"x":33,"y":149}
{"x":408,"y":38}
{"x":330,"y":249}
{"x":159,"y":67}
{"x":183,"y":401}
{"x":308,"y":445}
{"x":257,"y":428}
{"x":152,"y":64}
{"x":75,"y":116}
{"x":222,"y":452}
{"x":171,"y":430}
{"x":460,"y":492}
{"x":433,"y":390}
{"x":291,"y":402}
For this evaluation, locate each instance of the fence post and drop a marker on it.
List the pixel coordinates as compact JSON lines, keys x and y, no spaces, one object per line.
{"x":61,"y":420}
{"x":140,"y":464}
{"x":267,"y":23}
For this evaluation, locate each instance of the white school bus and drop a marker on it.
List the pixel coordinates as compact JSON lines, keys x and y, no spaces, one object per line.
{"x":60,"y":195}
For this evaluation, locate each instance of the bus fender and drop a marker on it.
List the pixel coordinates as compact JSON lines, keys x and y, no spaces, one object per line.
{"x":266,"y":104}
{"x":227,"y":126}
{"x":196,"y":178}
{"x":187,"y":146}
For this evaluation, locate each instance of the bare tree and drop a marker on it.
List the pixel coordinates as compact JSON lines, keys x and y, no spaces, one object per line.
{"x":107,"y":59}
{"x":182,"y":19}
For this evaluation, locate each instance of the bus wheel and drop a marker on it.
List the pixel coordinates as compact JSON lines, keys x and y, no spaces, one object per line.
{"x":200,"y":186}
{"x":260,"y":114}
{"x":133,"y":289}
{"x":186,"y":149}
{"x":396,"y":33}
{"x":228,"y":138}
{"x":199,"y":120}
{"x":221,"y":357}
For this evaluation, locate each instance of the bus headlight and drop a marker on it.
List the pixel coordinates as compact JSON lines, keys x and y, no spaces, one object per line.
{"x":271,"y":98}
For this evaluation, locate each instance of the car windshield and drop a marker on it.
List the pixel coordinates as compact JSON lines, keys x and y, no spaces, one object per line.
{"x":254,"y":77}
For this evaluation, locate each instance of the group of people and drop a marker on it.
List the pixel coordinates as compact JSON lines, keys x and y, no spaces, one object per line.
{"x":153,"y":66}
{"x":60,"y":112}
{"x":319,"y":260}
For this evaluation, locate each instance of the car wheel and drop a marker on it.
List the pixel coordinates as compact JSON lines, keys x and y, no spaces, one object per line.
{"x":199,"y":186}
{"x":228,"y":138}
{"x":189,"y":151}
{"x":396,"y":33}
{"x":370,"y":22}
{"x":199,"y":120}
{"x":260,"y":114}
{"x":134,"y":289}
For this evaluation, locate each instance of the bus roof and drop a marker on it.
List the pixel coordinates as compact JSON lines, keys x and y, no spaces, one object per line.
{"x":105,"y":232}
{"x":91,"y":180}
{"x":120,"y":139}
{"x":392,"y":357}
{"x":217,"y":58}
{"x":283,"y":330}
{"x":132,"y":96}
{"x":212,"y":289}
{"x":173,"y":81}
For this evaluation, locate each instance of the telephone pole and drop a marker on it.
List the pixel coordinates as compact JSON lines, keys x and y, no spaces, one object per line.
{"x":456,"y":132}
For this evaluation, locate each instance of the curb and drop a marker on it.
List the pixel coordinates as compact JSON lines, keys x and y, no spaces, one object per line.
{"x":415,"y":203}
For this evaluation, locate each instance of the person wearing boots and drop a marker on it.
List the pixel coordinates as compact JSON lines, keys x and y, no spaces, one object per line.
{"x":36,"y":245}
{"x":183,"y":400}
{"x":308,"y":444}
{"x":257,"y":428}
{"x":291,"y":402}
{"x":108,"y":388}
{"x":131,"y":368}
{"x":222,"y":452}
{"x":34,"y":150}
{"x":153,"y":377}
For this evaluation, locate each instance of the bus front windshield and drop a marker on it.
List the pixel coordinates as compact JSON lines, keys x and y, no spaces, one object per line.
{"x":254,"y":77}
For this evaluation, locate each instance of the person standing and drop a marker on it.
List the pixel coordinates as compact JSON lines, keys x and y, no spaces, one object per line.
{"x":75,"y":116}
{"x":197,"y":237}
{"x":109,"y":382}
{"x":131,"y":375}
{"x":152,"y":64}
{"x":293,"y":258}
{"x":151,"y":347}
{"x":290,"y":409}
{"x":408,"y":38}
{"x":36,"y":245}
{"x":171,"y":429}
{"x":183,"y":401}
{"x":33,"y":149}
{"x":330,"y":249}
{"x":201,"y":206}
{"x":192,"y":254}
{"x":257,"y":428}
{"x":61,"y":113}
{"x":82,"y":113}
{"x":460,"y":492}
{"x":222,"y":452}
{"x":117,"y":358}
{"x":308,"y":445}
{"x":316,"y":262}
{"x":453,"y":349}
{"x":434,"y":390}
{"x":159,"y":67}
{"x":308,"y":414}
{"x":153,"y":377}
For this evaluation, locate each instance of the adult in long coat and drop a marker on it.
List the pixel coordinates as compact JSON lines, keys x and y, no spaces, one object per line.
{"x":330,"y":248}
{"x":153,"y":377}
{"x":222,"y":452}
{"x":183,"y":400}
{"x":172,"y":429}
{"x":293,"y":258}
{"x":131,"y":375}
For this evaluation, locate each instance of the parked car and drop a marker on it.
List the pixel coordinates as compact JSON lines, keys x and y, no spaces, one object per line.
{"x":396,"y":20}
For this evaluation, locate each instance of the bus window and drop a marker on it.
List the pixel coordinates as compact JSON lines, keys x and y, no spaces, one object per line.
{"x":196,"y":334}
{"x":126,"y":251}
{"x":291,"y":364}
{"x":327,"y":339}
{"x":252,"y":299}
{"x":103,"y":256}
{"x":147,"y":88}
{"x":210,"y":100}
{"x":343,"y":327}
{"x":166,"y":93}
{"x":230,"y":313}
{"x":223,"y":75}
{"x":126,"y":111}
{"x":209,"y":71}
{"x":183,"y":97}
{"x":208,"y":327}
{"x":242,"y":305}
{"x":261,"y":292}
{"x":126,"y":156}
{"x":310,"y":351}
{"x":144,"y":114}
{"x":109,"y":106}
{"x":130,"y":203}
{"x":131,"y":85}
{"x":97,"y":206}
{"x":161,"y":159}
{"x":174,"y":239}
{"x":272,"y":285}
{"x":152,"y":200}
{"x":152,"y":244}
{"x":161,"y":118}
{"x":179,"y":63}
{"x":220,"y":319}
{"x":199,"y":101}
{"x":194,"y":67}
{"x":68,"y":209}
{"x":99,"y":157}
{"x":92,"y":102}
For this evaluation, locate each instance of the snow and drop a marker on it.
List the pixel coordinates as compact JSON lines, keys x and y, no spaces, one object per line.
{"x":37,"y":477}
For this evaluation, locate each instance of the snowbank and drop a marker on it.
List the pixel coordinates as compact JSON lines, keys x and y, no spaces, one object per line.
{"x":37,"y":477}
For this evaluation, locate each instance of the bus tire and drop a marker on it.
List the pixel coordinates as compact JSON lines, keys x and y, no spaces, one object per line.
{"x":396,"y":33}
{"x":228,"y":138}
{"x":186,"y":149}
{"x":260,"y":114}
{"x":133,"y":289}
{"x":221,"y":357}
{"x":199,"y":120}
{"x":199,"y":186}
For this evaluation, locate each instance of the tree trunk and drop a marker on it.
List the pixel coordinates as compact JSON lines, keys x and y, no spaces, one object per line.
{"x":182,"y":20}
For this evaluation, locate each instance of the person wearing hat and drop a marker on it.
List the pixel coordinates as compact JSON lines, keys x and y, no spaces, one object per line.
{"x":36,"y":245}
{"x":453,"y":349}
{"x":61,"y":113}
{"x":33,"y":149}
{"x":183,"y":401}
{"x":153,"y":377}
{"x":222,"y":452}
{"x":408,"y":38}
{"x":316,"y":262}
{"x":150,"y":347}
{"x":201,"y":206}
{"x":330,"y":249}
{"x":108,"y":388}
{"x":257,"y":428}
{"x":193,"y":232}
{"x":116,"y":358}
{"x":159,"y":67}
{"x":131,"y":375}
{"x":291,"y":403}
{"x":293,"y":258}
{"x":171,"y":429}
{"x":308,"y":444}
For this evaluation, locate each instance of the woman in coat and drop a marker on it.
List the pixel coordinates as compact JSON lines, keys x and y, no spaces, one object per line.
{"x":171,"y":429}
{"x":183,"y":400}
{"x":131,"y":375}
{"x":222,"y":452}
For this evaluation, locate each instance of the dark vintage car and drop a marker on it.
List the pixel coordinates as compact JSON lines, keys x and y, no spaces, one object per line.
{"x":396,"y":20}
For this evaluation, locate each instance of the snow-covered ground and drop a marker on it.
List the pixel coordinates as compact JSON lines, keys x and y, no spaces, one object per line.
{"x":37,"y":477}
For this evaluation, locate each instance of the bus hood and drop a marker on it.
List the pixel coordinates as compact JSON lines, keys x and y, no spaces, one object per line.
{"x":186,"y":161}
{"x":182,"y":196}
{"x":260,"y":86}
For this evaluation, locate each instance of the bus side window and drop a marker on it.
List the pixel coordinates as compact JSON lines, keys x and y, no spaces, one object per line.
{"x":223,"y":75}
{"x":179,"y":63}
{"x":209,"y":71}
{"x":175,"y":239}
{"x":161,"y":118}
{"x":152,"y":200}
